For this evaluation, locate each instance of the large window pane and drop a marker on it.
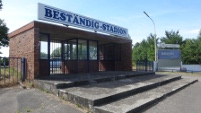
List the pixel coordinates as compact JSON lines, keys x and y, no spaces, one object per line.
{"x":93,"y":50}
{"x":55,"y":50}
{"x":72,"y":50}
{"x":82,"y":49}
{"x":66,"y":49}
{"x":43,"y":46}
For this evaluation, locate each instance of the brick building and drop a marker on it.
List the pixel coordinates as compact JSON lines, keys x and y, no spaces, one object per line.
{"x":53,"y":49}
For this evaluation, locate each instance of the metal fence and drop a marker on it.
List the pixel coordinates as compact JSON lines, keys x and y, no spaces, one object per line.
{"x":144,"y":66}
{"x":12,"y":70}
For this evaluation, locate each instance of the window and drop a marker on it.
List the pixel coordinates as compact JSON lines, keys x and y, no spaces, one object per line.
{"x":82,"y":49}
{"x":66,"y":48}
{"x":55,"y":49}
{"x":72,"y":51}
{"x":43,"y":46}
{"x":93,"y":50}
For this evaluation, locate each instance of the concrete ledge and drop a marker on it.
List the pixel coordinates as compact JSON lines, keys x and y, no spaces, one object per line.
{"x":91,"y":100}
{"x":144,"y":102}
{"x":71,"y":84}
{"x":132,"y":91}
{"x":60,"y":84}
{"x":45,"y":86}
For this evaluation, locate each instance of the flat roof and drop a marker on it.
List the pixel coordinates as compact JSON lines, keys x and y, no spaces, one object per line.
{"x":68,"y":31}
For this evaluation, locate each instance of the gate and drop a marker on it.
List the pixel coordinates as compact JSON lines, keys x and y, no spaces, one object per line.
{"x":55,"y":57}
{"x":12,"y":70}
{"x":144,"y":66}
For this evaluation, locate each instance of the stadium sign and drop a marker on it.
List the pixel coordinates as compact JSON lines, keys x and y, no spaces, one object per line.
{"x":52,"y":14}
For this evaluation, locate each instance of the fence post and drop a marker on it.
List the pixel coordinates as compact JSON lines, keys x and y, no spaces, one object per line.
{"x":0,"y":68}
{"x":146,"y":65}
{"x":152,"y":66}
{"x":23,"y":69}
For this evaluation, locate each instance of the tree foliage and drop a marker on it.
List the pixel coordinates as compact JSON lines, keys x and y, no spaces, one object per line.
{"x":1,"y":4}
{"x":190,"y":48}
{"x":172,"y":37}
{"x":4,"y":40}
{"x":56,"y":53}
{"x":144,"y":50}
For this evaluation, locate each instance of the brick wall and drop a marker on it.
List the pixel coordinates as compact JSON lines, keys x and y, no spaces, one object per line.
{"x":23,"y":44}
{"x":93,"y":66}
{"x":126,"y":57}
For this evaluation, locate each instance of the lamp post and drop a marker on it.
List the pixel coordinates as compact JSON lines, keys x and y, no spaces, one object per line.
{"x":155,"y":47}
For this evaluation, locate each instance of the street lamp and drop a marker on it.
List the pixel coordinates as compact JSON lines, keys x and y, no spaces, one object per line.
{"x":155,"y":47}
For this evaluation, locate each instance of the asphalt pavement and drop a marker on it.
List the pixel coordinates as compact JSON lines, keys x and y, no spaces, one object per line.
{"x":18,"y":100}
{"x":187,"y":100}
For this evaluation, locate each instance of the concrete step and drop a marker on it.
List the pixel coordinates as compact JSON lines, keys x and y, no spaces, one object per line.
{"x":52,"y":84}
{"x":137,"y":103}
{"x":98,"y":94}
{"x":99,"y":79}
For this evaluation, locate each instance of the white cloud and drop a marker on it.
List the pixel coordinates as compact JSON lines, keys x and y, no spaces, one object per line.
{"x":194,"y":31}
{"x":190,"y":33}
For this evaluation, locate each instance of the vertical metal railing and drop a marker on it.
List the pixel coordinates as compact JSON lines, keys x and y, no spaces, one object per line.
{"x":12,"y":71}
{"x":144,"y":66}
{"x":55,"y":57}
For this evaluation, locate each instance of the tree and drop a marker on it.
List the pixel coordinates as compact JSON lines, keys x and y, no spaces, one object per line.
{"x":144,"y":50}
{"x":4,"y":41}
{"x":56,"y":53}
{"x":135,"y":51}
{"x":187,"y":51}
{"x":190,"y":48}
{"x":150,"y":48}
{"x":172,"y":37}
{"x":1,"y":4}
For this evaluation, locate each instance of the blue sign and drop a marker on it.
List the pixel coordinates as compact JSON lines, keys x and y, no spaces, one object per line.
{"x":169,"y":54}
{"x":49,"y":13}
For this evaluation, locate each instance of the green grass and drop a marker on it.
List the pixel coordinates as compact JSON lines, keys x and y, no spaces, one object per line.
{"x":62,"y":97}
{"x":79,"y":106}
{"x":17,"y":111}
{"x":28,"y":110}
{"x":10,"y":72}
{"x":9,"y":76}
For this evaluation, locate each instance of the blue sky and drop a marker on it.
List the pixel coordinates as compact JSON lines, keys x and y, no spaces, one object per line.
{"x":182,"y":15}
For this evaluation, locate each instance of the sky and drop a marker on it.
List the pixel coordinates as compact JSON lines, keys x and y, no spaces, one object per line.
{"x":182,"y":15}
